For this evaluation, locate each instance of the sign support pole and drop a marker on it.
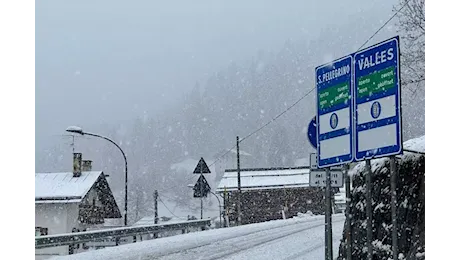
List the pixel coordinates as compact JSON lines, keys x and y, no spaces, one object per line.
{"x":239,"y":178}
{"x":348,"y":213}
{"x":329,"y":255}
{"x":201,"y":192}
{"x":394,"y":222}
{"x":369,"y":208}
{"x":201,"y":196}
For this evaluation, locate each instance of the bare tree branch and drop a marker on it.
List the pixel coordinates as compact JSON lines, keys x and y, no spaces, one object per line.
{"x":411,"y":26}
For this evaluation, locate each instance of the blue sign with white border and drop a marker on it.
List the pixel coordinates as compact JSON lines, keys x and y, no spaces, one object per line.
{"x":334,"y":112}
{"x":312,"y":133}
{"x":377,"y":101}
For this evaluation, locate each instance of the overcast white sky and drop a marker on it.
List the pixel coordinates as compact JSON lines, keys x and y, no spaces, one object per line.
{"x":109,"y":61}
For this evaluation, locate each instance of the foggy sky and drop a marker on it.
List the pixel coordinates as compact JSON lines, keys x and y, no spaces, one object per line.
{"x":106,"y":62}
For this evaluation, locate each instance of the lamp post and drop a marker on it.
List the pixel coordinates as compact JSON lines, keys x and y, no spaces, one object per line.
{"x":78,"y":130}
{"x":220,"y":213}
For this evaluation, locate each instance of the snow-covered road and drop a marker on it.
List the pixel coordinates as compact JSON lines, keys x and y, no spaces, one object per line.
{"x":299,"y":238}
{"x":297,"y":241}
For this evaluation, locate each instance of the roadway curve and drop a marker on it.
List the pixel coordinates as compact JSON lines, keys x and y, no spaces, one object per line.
{"x":289,"y":242}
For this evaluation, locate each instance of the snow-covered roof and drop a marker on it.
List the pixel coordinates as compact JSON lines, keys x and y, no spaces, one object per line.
{"x":257,"y":179}
{"x":415,"y":144}
{"x":62,"y":187}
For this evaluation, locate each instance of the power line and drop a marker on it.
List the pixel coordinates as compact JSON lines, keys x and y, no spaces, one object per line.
{"x":159,"y":198}
{"x":309,"y":91}
{"x":167,"y":197}
{"x":305,"y":95}
{"x":278,"y":116}
{"x":218,"y":158}
{"x":381,"y":27}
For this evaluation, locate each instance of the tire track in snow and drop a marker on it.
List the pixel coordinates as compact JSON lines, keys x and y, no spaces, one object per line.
{"x":225,"y":248}
{"x":299,"y":255}
{"x":173,"y":254}
{"x":318,"y":245}
{"x":262,"y":241}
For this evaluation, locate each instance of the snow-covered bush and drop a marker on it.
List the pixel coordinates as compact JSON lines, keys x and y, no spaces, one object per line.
{"x":410,"y":207}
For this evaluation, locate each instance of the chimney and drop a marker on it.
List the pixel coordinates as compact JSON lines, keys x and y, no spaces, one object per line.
{"x":76,"y":164}
{"x":86,"y":167}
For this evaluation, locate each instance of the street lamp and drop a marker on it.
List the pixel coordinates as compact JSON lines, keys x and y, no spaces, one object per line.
{"x":220,"y":213}
{"x":78,"y":130}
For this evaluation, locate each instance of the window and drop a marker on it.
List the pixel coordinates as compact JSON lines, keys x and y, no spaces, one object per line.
{"x":40,"y":231}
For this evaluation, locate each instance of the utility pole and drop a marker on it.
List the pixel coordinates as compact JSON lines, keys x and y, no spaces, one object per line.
{"x":155,"y":200}
{"x":239,"y":178}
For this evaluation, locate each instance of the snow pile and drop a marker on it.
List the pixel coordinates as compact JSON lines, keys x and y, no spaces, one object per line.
{"x":304,"y":215}
{"x":416,"y":144}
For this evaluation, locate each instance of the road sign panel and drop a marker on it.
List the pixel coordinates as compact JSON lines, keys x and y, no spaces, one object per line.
{"x":312,"y":133}
{"x":318,"y":178}
{"x":377,"y":101}
{"x":201,"y":167}
{"x":313,"y":161}
{"x":334,"y":112}
{"x":201,"y":188}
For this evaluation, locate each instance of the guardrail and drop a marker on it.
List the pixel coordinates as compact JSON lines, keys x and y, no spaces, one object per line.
{"x":98,"y":235}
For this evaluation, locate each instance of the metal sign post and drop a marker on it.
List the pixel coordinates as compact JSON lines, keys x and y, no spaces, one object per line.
{"x":369,"y":208}
{"x":394,"y":233}
{"x":347,"y":212}
{"x":329,"y":254}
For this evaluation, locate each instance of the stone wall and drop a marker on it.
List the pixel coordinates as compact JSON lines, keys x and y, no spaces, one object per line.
{"x":264,"y":205}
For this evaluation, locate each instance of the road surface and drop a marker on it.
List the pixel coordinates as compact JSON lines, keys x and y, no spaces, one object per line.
{"x":296,"y":241}
{"x":297,"y":238}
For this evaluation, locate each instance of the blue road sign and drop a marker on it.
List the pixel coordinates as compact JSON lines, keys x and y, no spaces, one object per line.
{"x":312,"y":133}
{"x":377,"y":101}
{"x":334,"y":112}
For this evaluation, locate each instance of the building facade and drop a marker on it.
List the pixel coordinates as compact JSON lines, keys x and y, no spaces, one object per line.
{"x":69,"y":202}
{"x":269,"y":194}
